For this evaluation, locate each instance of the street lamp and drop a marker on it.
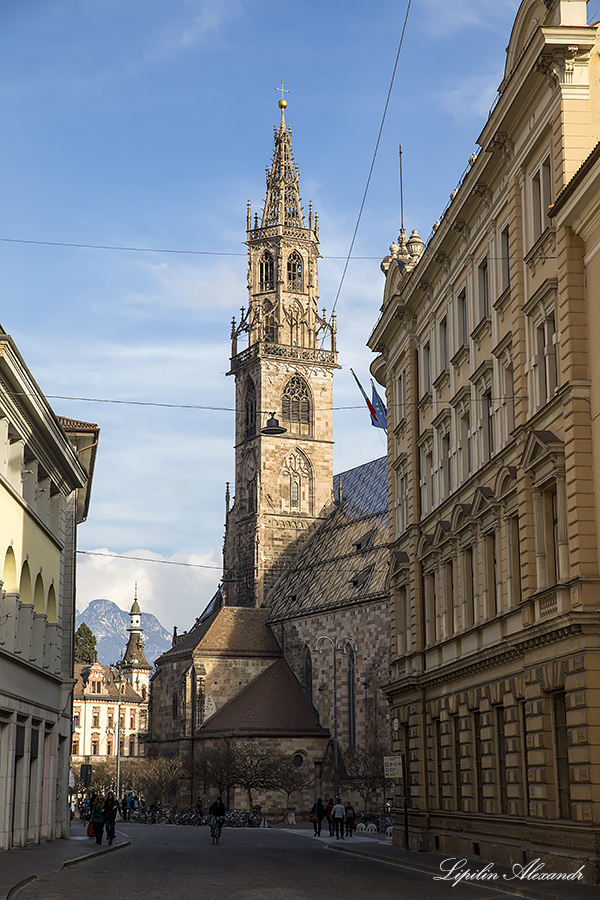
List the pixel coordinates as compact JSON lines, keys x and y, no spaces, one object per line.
{"x":118,"y":668}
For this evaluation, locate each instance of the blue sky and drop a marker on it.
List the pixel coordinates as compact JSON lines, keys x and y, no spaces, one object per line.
{"x":141,"y":123}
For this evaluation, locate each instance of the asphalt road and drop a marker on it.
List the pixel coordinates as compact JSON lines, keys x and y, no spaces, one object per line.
{"x":170,"y":862}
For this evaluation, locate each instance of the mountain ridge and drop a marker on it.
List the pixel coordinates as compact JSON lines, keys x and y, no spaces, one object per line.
{"x":109,"y":623}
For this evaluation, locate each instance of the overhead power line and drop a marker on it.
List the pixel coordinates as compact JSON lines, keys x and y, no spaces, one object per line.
{"x":145,"y":249}
{"x":364,"y":198}
{"x":163,"y":562}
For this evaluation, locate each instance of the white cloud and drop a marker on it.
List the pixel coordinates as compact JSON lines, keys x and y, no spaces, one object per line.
{"x":175,"y":594}
{"x":471,"y":97}
{"x":443,"y":17}
{"x":206,"y":288}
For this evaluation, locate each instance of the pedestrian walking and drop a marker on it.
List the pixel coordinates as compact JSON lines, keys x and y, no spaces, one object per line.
{"x":328,"y":810}
{"x":350,"y":819}
{"x":110,"y":810}
{"x":98,"y":818}
{"x":338,"y":814}
{"x":317,"y":814}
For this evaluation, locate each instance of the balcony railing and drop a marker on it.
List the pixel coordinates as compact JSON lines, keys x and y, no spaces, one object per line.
{"x":283,"y":351}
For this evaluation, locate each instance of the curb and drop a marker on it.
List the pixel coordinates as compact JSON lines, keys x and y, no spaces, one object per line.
{"x":427,"y":870}
{"x":16,"y":888}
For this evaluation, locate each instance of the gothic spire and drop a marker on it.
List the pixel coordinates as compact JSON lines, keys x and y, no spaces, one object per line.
{"x":282,"y":204}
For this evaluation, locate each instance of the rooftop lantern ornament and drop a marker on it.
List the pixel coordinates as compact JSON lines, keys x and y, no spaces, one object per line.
{"x":273,"y":426}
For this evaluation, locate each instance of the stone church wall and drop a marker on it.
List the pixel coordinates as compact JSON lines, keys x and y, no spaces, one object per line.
{"x":367,"y":627}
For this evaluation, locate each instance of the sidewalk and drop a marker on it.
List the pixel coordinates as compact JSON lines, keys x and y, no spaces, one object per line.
{"x":377,"y":848}
{"x":24,"y":864}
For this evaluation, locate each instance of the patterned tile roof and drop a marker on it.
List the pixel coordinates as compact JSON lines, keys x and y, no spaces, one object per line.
{"x":364,"y":489}
{"x":273,"y":705}
{"x":345,"y":561}
{"x":229,"y":631}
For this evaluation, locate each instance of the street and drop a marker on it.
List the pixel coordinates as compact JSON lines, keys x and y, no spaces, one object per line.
{"x":169,"y":861}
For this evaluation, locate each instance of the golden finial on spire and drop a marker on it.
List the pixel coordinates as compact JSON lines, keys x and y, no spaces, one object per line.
{"x":282,"y":103}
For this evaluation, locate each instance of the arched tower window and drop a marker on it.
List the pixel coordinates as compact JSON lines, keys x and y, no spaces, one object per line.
{"x":295,"y":406}
{"x":351,"y":697}
{"x":250,"y":410}
{"x":307,"y":677}
{"x":270,"y":324}
{"x":295,"y":271}
{"x":296,"y":483}
{"x":265,"y":272}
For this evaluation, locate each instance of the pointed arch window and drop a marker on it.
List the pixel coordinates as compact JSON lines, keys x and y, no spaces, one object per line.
{"x":266,"y":270}
{"x":295,"y":406}
{"x":270,"y":324}
{"x":351,"y":697}
{"x":307,"y":676}
{"x":294,"y":495}
{"x":250,"y":410}
{"x":295,"y":271}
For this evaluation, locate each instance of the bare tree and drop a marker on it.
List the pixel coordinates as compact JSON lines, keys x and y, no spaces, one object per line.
{"x":256,"y":767}
{"x":289,"y":777}
{"x":216,"y":766}
{"x":364,"y":770}
{"x":160,"y":775}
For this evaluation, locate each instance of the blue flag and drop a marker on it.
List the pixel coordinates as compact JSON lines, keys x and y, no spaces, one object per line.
{"x":380,"y":418}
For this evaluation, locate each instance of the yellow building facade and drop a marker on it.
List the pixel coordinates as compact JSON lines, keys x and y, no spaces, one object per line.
{"x":485,"y":347}
{"x":44,"y":494}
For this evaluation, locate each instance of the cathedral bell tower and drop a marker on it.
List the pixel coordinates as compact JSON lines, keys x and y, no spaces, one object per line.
{"x":283,"y":483}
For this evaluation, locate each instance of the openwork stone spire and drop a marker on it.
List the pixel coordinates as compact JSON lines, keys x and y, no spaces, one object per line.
{"x":282,"y":205}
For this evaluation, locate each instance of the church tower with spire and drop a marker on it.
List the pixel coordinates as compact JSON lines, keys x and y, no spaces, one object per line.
{"x":136,"y":668}
{"x":283,"y":482}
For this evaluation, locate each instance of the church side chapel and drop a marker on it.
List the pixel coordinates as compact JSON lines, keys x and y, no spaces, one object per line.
{"x":305,"y":565}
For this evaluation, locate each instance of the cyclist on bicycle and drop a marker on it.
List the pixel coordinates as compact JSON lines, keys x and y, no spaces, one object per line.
{"x":217,"y":814}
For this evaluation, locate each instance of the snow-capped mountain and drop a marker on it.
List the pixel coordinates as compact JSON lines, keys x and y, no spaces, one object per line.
{"x":109,"y":623}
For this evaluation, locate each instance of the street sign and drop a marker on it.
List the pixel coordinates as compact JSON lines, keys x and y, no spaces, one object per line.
{"x":392,"y":766}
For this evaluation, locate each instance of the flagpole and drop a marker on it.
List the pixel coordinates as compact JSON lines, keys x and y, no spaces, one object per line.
{"x":401,"y":191}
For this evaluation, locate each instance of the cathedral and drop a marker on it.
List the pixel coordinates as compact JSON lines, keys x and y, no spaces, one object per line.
{"x":294,"y":647}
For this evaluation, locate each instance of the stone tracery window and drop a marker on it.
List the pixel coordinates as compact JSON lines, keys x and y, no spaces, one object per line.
{"x":270,"y":323}
{"x":296,"y":483}
{"x":265,"y":272}
{"x":250,"y":410}
{"x":295,"y":271}
{"x":295,"y":406}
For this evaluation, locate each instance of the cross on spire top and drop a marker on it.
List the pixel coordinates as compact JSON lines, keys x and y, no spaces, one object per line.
{"x":283,"y":101}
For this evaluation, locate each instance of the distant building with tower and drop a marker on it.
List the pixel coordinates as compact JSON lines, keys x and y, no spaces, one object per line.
{"x":110,"y":709}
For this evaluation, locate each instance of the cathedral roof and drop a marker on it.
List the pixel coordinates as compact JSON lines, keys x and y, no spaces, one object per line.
{"x":345,"y":561}
{"x":273,"y":705}
{"x":229,"y":631}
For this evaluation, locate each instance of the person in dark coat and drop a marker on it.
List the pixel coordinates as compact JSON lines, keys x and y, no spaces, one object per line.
{"x":328,"y":811}
{"x":110,"y":810}
{"x":318,"y":812}
{"x":350,"y":819}
{"x":98,"y":818}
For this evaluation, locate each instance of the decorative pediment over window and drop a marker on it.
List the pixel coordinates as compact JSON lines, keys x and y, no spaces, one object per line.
{"x":461,"y":517}
{"x":425,"y":545}
{"x":543,"y":455}
{"x":483,"y":502}
{"x":400,"y":563}
{"x":442,"y":533}
{"x":506,"y":480}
